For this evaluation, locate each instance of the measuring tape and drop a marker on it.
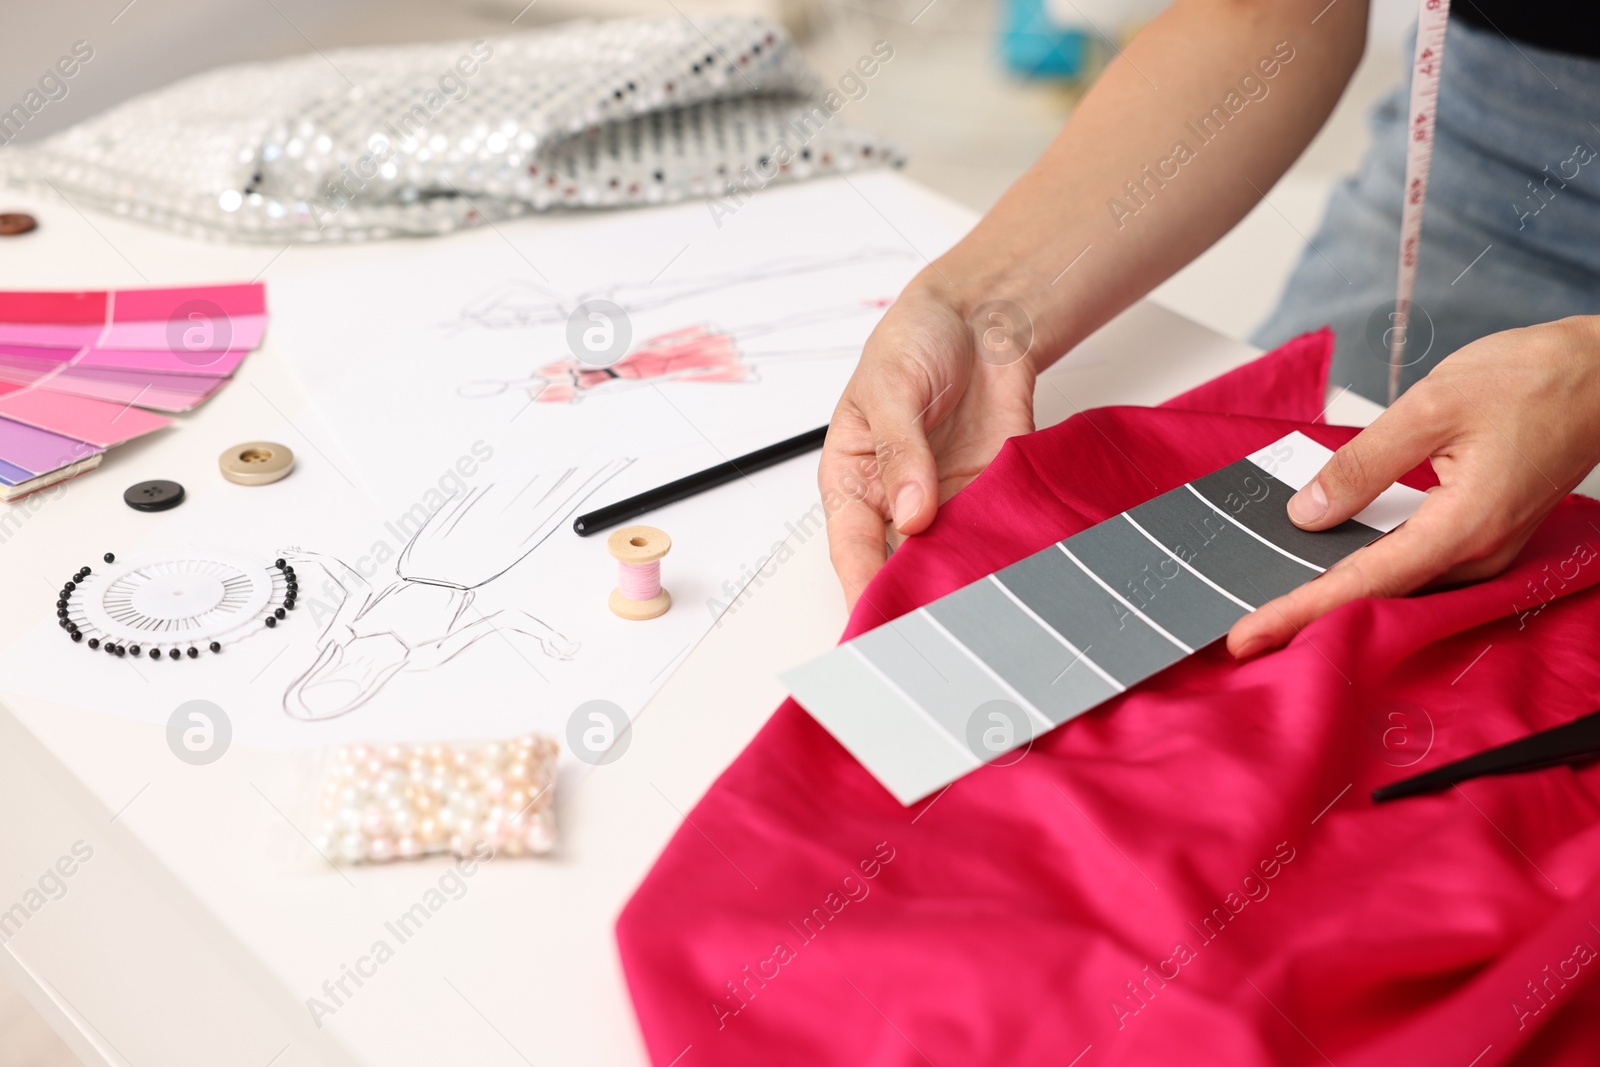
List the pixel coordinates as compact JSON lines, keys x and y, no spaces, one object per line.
{"x":1433,"y":16}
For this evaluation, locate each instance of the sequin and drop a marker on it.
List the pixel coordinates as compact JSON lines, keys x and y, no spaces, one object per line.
{"x":401,"y":141}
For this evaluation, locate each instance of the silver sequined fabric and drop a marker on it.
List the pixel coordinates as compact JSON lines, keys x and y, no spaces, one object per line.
{"x":424,"y":139}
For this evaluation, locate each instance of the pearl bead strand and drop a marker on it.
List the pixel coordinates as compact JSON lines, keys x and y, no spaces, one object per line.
{"x":385,"y":802}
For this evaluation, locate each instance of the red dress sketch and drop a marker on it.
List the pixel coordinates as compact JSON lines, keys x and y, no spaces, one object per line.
{"x":695,"y":353}
{"x":699,"y":353}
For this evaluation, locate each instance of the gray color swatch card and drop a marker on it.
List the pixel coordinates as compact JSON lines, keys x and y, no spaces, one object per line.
{"x":943,"y":689}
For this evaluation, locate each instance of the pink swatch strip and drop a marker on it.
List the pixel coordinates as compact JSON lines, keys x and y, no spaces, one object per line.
{"x":38,"y":355}
{"x":160,"y":392}
{"x":149,"y":395}
{"x":208,"y":364}
{"x":194,"y":384}
{"x":57,"y":335}
{"x":148,"y":305}
{"x":77,"y":369}
{"x":131,"y":305}
{"x":196,"y":333}
{"x":211,"y":363}
{"x":183,"y":321}
{"x":95,"y":421}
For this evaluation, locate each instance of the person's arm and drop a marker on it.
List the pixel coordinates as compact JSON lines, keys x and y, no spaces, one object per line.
{"x":1186,"y":130}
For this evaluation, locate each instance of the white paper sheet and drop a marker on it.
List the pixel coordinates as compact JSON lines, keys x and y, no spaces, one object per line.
{"x":443,"y":593}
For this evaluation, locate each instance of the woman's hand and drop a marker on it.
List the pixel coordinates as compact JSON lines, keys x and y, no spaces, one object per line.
{"x":1511,"y":423}
{"x":924,"y":412}
{"x":922,"y":416}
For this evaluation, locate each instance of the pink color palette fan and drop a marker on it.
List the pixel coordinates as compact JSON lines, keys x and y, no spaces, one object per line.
{"x":78,"y":370}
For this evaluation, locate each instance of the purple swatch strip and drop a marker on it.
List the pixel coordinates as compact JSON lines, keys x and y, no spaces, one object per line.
{"x":39,"y":451}
{"x":10,"y":475}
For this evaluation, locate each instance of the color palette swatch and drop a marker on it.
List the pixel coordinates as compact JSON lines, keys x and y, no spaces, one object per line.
{"x":121,"y":375}
{"x":938,"y":692}
{"x":88,"y":368}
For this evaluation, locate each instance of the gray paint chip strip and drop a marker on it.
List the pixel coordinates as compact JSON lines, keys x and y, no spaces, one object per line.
{"x":1013,"y":635}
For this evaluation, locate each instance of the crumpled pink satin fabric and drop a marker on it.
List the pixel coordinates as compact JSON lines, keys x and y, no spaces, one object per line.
{"x":1192,"y":873}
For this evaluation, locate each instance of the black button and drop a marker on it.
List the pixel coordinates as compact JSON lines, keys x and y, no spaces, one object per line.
{"x":153,"y":496}
{"x":15,"y":223}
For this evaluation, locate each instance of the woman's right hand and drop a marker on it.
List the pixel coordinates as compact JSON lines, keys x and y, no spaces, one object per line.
{"x":931,"y":402}
{"x":928,"y":407}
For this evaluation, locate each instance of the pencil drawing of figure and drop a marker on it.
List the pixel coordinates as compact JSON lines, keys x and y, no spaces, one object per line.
{"x":700,"y":353}
{"x":523,"y":304}
{"x":426,"y":613}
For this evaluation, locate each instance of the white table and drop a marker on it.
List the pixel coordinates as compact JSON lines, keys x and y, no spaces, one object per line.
{"x":194,"y":936}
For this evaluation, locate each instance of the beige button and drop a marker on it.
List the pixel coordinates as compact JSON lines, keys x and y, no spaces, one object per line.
{"x":256,"y":463}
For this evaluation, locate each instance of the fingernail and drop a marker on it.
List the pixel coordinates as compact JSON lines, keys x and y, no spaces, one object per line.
{"x":1250,"y":648}
{"x":1309,"y":504}
{"x":906,"y":503}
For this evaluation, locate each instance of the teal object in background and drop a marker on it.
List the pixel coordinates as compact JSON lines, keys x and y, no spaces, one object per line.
{"x":1035,"y":47}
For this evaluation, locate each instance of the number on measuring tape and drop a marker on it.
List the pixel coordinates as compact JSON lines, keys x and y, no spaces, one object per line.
{"x":1427,"y":65}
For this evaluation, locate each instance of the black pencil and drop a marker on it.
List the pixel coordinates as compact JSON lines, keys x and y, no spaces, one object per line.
{"x":699,"y":482}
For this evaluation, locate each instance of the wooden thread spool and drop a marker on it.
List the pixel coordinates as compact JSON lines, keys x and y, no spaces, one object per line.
{"x":638,"y":551}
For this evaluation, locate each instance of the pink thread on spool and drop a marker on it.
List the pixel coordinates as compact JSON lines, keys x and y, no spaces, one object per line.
{"x":638,"y":551}
{"x":639,"y":582}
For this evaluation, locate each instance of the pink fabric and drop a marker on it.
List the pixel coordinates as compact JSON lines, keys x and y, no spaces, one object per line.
{"x":1286,"y":383}
{"x":1033,"y":913}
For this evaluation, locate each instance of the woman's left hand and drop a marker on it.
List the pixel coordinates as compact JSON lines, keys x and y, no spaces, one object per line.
{"x":1511,"y":423}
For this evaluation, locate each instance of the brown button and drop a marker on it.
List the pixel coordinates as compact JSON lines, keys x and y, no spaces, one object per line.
{"x":256,"y":463}
{"x":15,"y":223}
